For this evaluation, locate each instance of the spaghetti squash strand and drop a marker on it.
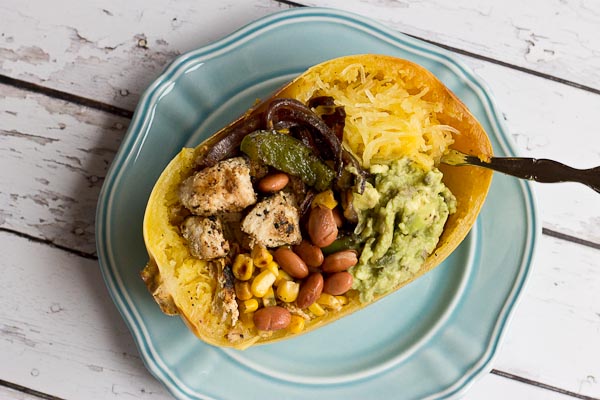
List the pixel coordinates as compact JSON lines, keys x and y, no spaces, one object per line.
{"x":388,"y":117}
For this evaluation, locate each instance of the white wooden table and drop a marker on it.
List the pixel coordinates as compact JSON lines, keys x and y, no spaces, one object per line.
{"x":71,"y":73}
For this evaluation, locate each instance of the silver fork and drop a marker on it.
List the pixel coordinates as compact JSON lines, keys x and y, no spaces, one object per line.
{"x":539,"y":170}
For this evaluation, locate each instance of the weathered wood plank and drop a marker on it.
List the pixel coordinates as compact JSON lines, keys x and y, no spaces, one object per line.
{"x":62,"y":152}
{"x":558,"y":37}
{"x":53,"y":159}
{"x":493,"y":387}
{"x":550,"y":120}
{"x":59,"y":324}
{"x":74,"y":51}
{"x":111,"y":50}
{"x":554,"y":337}
{"x":60,"y":329}
{"x":66,"y":338}
{"x":10,"y":394}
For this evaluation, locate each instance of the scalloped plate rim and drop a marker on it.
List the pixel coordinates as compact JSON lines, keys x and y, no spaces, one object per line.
{"x":143,"y":116}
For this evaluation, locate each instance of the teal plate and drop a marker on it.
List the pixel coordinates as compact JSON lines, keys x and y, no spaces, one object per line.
{"x":431,"y":339}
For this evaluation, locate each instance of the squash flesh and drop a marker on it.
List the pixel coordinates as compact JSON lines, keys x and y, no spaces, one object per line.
{"x":435,"y":116}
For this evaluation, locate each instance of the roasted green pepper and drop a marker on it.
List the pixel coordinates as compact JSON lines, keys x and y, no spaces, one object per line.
{"x":348,"y":242}
{"x":289,"y":155}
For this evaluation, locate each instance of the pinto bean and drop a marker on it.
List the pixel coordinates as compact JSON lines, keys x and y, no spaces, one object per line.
{"x":291,"y":262}
{"x":321,"y":226}
{"x":349,"y":212}
{"x":310,"y":290}
{"x":272,"y":318}
{"x":340,"y":261}
{"x":338,"y":283}
{"x":273,"y":182}
{"x":337,"y":216}
{"x":311,"y":254}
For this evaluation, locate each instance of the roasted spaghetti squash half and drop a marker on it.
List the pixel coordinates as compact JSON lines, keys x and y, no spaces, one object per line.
{"x":315,"y":203}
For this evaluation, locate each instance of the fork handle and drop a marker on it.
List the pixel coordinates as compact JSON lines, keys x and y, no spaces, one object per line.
{"x":542,"y":170}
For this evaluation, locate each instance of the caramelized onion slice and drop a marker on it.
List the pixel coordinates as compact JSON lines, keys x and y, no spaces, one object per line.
{"x":291,"y":110}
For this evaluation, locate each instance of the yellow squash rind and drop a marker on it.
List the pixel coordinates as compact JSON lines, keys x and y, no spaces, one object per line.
{"x":172,"y":274}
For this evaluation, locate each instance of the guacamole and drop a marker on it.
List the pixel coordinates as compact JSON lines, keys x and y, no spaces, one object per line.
{"x":400,"y":219}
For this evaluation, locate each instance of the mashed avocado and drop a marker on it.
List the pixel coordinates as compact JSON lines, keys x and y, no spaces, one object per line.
{"x":400,"y":219}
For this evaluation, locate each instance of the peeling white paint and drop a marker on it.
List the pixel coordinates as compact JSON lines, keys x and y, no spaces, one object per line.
{"x":111,"y":47}
{"x":558,"y":38}
{"x":59,"y":323}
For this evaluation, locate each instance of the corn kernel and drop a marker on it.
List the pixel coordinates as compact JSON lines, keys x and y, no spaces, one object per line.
{"x":325,"y":199}
{"x":296,"y":324}
{"x":316,"y":309}
{"x":269,"y":298}
{"x":247,"y":319}
{"x":273,"y":267}
{"x":282,"y":277}
{"x":242,"y":290}
{"x":287,"y":291}
{"x":261,"y":256}
{"x":342,"y":299}
{"x":249,"y":306}
{"x":262,"y":283}
{"x":243,"y":267}
{"x":329,"y":301}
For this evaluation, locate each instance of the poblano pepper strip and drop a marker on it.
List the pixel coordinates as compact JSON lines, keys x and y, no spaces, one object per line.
{"x":350,"y":242}
{"x":289,"y":155}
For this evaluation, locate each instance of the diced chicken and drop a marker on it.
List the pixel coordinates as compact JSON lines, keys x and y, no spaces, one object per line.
{"x":232,"y":229}
{"x":257,"y":169}
{"x":224,"y":301}
{"x":224,"y":187}
{"x":297,"y":188}
{"x":205,"y":237}
{"x":273,"y":222}
{"x":234,"y":336}
{"x":295,"y":310}
{"x":155,"y":284}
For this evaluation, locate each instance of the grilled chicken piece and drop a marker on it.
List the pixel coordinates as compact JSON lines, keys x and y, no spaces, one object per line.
{"x":224,"y":187}
{"x":273,"y":222}
{"x":205,"y":237}
{"x":257,"y":169}
{"x":151,"y":277}
{"x":224,"y":302}
{"x":295,"y":310}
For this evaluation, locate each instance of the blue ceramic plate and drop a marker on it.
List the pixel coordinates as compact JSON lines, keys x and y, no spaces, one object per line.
{"x":430,"y":339}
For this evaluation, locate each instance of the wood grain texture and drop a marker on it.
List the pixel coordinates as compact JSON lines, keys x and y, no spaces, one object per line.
{"x":539,"y":113}
{"x":554,"y":37}
{"x":81,"y":56}
{"x":111,"y":50}
{"x":53,"y":159}
{"x":7,"y":393}
{"x":67,"y":339}
{"x":63,"y":333}
{"x":556,"y":327}
{"x":493,"y":387}
{"x":58,"y":325}
{"x":547,"y":119}
{"x":62,"y":151}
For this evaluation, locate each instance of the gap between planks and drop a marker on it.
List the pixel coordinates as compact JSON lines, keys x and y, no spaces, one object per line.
{"x":49,"y":243}
{"x":28,"y":391}
{"x":541,"y":385}
{"x":80,"y":100}
{"x":92,"y":256}
{"x":500,"y":373}
{"x":122,"y":112}
{"x":65,"y":96}
{"x":509,"y":65}
{"x":485,"y":58}
{"x":569,"y":238}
